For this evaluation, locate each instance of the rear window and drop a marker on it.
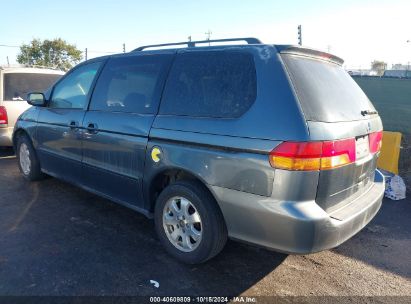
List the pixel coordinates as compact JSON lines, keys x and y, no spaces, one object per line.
{"x":218,"y":84}
{"x":17,"y":85}
{"x":325,"y":90}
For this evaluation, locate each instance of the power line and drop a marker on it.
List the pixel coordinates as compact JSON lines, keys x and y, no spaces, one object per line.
{"x":10,"y":46}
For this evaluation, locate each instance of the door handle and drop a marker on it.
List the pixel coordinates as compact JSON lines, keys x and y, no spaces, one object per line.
{"x":73,"y":124}
{"x":92,"y":128}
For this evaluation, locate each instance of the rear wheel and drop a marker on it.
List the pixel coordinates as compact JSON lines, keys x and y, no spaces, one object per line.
{"x":27,"y":159}
{"x":189,"y":222}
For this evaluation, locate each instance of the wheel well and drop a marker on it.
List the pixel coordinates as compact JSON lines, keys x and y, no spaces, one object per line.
{"x":165,"y":178}
{"x":17,"y":134}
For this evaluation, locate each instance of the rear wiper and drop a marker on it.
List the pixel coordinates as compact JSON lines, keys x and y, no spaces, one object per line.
{"x":368,"y":112}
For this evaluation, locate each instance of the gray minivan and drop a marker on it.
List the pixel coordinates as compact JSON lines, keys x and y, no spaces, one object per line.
{"x":267,"y":144}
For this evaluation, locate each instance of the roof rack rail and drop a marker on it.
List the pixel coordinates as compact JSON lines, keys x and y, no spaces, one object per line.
{"x":249,"y":40}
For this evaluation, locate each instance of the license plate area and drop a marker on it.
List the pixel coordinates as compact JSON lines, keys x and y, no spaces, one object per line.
{"x":362,"y":147}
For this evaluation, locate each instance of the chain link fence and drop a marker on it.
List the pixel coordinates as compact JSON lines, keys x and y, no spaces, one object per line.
{"x":392,"y":99}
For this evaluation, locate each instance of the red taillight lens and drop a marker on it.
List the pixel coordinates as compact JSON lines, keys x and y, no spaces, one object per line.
{"x":338,"y":153}
{"x":3,"y":116}
{"x":307,"y":156}
{"x":375,"y":140}
{"x":297,"y":156}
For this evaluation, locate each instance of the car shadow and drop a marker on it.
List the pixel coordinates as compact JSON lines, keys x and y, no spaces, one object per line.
{"x":67,"y":241}
{"x":385,"y":243}
{"x":6,"y":152}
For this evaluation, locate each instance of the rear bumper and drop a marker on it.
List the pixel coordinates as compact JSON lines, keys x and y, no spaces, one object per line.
{"x":297,"y":227}
{"x":6,"y":137}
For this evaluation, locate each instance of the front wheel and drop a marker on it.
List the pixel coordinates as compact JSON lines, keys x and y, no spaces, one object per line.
{"x":27,"y":159}
{"x":189,"y":222}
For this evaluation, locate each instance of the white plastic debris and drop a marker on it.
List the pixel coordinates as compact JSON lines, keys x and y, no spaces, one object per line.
{"x":395,"y":188}
{"x":155,"y":283}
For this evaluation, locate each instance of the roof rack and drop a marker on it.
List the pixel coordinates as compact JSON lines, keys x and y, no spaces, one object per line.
{"x":189,"y":44}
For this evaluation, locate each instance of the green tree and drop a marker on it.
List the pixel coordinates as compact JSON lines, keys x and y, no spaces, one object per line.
{"x":55,"y":53}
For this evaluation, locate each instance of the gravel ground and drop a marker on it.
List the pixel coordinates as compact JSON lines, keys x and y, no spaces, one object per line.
{"x":56,"y":239}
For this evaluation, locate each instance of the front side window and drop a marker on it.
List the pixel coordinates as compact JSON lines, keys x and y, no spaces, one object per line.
{"x":72,"y":91}
{"x":218,"y":84}
{"x":130,"y":84}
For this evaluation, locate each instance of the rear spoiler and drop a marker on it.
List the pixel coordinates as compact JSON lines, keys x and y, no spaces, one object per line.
{"x":300,"y":51}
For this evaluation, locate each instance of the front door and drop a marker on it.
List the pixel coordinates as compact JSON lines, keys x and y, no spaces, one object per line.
{"x":59,"y":125}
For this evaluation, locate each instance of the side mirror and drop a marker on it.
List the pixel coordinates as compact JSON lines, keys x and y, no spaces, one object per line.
{"x":36,"y":99}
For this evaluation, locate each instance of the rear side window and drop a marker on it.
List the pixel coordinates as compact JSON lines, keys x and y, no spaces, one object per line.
{"x":325,"y":90}
{"x":130,"y":84}
{"x":219,"y":84}
{"x":18,"y":85}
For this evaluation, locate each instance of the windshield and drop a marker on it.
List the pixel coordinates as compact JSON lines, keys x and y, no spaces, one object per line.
{"x":17,"y":85}
{"x":325,"y":90}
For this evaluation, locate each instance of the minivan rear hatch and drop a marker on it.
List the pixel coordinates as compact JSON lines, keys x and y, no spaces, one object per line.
{"x":331,"y":100}
{"x":326,"y":92}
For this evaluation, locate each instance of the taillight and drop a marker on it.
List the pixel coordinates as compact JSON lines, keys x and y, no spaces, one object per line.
{"x":315,"y":155}
{"x":375,"y":140}
{"x":4,"y":120}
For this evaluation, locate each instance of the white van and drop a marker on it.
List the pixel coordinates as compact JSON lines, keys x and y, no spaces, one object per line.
{"x":15,"y":83}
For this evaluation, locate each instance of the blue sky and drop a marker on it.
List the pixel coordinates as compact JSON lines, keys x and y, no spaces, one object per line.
{"x":359,"y":31}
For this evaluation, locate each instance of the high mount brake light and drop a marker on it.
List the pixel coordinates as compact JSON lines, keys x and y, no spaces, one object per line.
{"x":4,"y":120}
{"x":375,"y":140}
{"x":316,"y":155}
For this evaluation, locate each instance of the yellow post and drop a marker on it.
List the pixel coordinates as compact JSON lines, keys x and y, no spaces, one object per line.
{"x":390,"y":151}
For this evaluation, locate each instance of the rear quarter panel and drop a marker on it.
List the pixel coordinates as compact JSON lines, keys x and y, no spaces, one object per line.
{"x":227,"y":165}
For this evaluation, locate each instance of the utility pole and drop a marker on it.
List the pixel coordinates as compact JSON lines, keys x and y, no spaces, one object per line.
{"x":190,"y":44}
{"x":300,"y":35}
{"x":208,"y":35}
{"x":124,"y":47}
{"x":85,"y":54}
{"x":8,"y":62}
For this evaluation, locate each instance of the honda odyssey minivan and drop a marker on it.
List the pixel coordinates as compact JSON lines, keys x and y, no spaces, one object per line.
{"x":271,"y":145}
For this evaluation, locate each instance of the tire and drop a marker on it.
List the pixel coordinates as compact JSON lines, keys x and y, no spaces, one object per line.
{"x":203,"y":217}
{"x":29,"y":164}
